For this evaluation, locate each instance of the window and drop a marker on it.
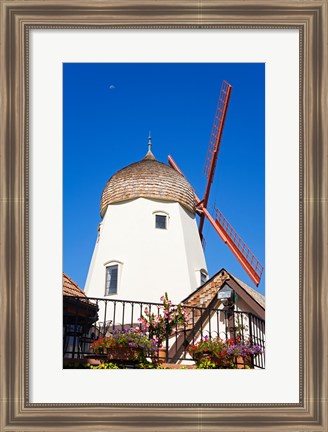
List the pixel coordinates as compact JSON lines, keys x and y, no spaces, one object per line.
{"x":160,"y":221}
{"x":203,"y":277}
{"x":111,"y":279}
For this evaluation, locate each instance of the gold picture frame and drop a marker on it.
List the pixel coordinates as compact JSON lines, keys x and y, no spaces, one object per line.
{"x":310,"y":17}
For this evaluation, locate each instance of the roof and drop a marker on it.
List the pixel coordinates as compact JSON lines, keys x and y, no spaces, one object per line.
{"x":259,"y":298}
{"x":77,"y":307}
{"x":206,"y":294}
{"x":203,"y":295}
{"x":71,"y":288}
{"x":148,"y":178}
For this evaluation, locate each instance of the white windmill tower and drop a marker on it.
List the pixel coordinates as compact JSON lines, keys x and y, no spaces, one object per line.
{"x":148,"y":241}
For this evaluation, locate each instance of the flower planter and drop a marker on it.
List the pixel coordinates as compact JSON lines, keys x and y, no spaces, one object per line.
{"x":244,"y":362}
{"x":219,"y":354}
{"x":161,"y":355}
{"x":240,"y":363}
{"x":124,"y":345}
{"x":123,"y":353}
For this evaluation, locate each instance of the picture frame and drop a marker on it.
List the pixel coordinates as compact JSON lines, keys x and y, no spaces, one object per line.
{"x":310,"y":18}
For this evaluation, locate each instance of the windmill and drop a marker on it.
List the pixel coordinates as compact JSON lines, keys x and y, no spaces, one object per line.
{"x":226,"y":232}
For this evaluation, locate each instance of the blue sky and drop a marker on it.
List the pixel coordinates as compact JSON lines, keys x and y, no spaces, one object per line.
{"x":108,"y":111}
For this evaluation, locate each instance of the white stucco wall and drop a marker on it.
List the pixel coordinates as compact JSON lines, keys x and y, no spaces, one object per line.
{"x":152,"y":261}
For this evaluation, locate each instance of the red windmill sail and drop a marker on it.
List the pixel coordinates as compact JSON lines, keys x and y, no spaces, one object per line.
{"x":239,"y":248}
{"x":214,"y":144}
{"x":231,"y":238}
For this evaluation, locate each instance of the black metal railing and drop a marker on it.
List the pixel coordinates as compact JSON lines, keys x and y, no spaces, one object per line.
{"x":80,"y":331}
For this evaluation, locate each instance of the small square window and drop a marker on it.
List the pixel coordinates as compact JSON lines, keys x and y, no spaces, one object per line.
{"x":160,"y":221}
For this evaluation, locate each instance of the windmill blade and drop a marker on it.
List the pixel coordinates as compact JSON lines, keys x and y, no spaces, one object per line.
{"x":238,"y":247}
{"x":175,"y":166}
{"x":229,"y":235}
{"x":214,"y":144}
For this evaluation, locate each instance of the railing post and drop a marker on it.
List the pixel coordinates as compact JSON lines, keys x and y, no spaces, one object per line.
{"x":226,"y":324}
{"x":114,"y":314}
{"x":250,"y":328}
{"x":76,"y":324}
{"x":104,"y":331}
{"x":167,"y":340}
{"x":251,"y":335}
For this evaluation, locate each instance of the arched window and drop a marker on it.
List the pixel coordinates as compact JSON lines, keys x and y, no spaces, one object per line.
{"x":112,"y":277}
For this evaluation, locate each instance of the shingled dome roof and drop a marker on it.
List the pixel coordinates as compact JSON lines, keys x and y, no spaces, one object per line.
{"x":148,"y":178}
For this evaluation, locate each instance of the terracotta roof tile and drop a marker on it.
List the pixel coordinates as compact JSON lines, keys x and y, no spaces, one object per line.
{"x":205,"y":294}
{"x":71,"y":288}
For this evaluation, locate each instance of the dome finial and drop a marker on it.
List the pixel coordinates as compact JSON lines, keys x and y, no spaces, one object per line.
{"x":149,"y":141}
{"x":149,"y":155}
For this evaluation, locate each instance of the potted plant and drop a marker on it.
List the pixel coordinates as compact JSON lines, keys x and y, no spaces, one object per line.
{"x":125,"y":344}
{"x":244,"y":352}
{"x":219,"y":354}
{"x":168,"y":320}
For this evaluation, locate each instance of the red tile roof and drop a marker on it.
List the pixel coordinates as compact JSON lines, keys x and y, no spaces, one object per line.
{"x":71,"y":288}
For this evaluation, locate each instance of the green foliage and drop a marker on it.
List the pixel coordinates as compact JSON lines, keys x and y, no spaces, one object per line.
{"x":105,"y":366}
{"x":146,"y":365}
{"x":206,"y":363}
{"x":112,"y":365}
